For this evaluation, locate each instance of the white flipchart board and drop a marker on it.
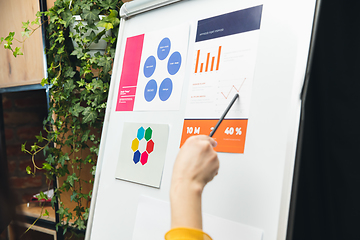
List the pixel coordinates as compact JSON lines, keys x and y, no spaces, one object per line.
{"x":253,"y":188}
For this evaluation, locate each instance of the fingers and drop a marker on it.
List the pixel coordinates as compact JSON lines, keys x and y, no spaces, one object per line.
{"x":196,"y":161}
{"x":212,"y":142}
{"x":203,"y":137}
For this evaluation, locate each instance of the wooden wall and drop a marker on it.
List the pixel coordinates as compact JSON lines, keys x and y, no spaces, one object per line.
{"x":29,"y":68}
{"x":50,"y":3}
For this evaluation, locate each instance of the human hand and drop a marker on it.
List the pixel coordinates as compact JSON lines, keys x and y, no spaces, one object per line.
{"x":197,"y":163}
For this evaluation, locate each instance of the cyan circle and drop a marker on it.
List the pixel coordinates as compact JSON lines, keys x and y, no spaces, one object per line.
{"x":174,"y":63}
{"x":150,"y":90}
{"x":164,"y":48}
{"x":165,"y":89}
{"x":149,"y":66}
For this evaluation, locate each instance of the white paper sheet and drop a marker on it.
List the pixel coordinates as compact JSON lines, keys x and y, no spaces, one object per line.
{"x":153,"y":221}
{"x":163,"y":61}
{"x":142,"y":153}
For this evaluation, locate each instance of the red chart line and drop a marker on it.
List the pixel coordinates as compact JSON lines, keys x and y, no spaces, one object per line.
{"x":233,"y":86}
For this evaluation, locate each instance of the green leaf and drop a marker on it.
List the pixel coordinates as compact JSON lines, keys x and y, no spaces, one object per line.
{"x":90,"y":15}
{"x":85,"y":136}
{"x":60,"y":10}
{"x":23,"y":149}
{"x":67,"y":17}
{"x":76,"y":109}
{"x":26,"y":32}
{"x":78,"y":52}
{"x":64,"y":158}
{"x":65,"y":230}
{"x":71,"y":179}
{"x":105,"y":62}
{"x":17,"y":52}
{"x":61,"y":50}
{"x":114,"y":17}
{"x":53,"y":200}
{"x":28,"y":170}
{"x":69,"y":86}
{"x":110,"y":21}
{"x":92,"y":36}
{"x":40,"y":138}
{"x":69,"y":73}
{"x":50,"y":159}
{"x":73,"y":196}
{"x":44,"y":81}
{"x":106,"y":25}
{"x":89,"y":115}
{"x":46,"y":213}
{"x":42,"y":196}
{"x":93,"y":170}
{"x":86,"y":214}
{"x":25,"y":24}
{"x":108,"y":4}
{"x":34,"y":147}
{"x":10,"y":37}
{"x":84,"y":5}
{"x":47,"y":166}
{"x":81,"y":82}
{"x":36,"y":21}
{"x":54,"y":81}
{"x":80,"y":224}
{"x":59,"y":37}
{"x":97,"y":84}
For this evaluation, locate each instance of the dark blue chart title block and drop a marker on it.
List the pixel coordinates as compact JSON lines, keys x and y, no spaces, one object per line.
{"x":228,"y":24}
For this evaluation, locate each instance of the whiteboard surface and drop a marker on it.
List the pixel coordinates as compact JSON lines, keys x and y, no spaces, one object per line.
{"x":251,"y":188}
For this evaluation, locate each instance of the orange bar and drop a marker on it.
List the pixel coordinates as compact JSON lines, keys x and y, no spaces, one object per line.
{"x":207,"y":62}
{"x":212,"y":63}
{"x":201,"y":67}
{"x":218,"y":60}
{"x":197,"y":61}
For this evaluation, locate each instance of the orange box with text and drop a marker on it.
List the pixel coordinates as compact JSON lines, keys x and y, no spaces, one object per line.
{"x":230,"y":135}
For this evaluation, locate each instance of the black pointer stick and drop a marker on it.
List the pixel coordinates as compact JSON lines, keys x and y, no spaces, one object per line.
{"x":224,"y":114}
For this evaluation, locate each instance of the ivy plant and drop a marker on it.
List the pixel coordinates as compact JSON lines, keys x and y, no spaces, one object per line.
{"x":79,"y":84}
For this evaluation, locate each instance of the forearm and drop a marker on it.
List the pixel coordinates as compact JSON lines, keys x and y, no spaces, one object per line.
{"x":186,"y":205}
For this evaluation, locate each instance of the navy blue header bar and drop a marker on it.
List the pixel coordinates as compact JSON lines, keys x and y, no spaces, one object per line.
{"x":231,"y":23}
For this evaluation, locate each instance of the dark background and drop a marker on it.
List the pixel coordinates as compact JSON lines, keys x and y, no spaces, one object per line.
{"x":328,"y":193}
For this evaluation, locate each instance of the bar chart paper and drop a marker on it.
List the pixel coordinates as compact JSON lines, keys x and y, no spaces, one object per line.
{"x":223,"y":65}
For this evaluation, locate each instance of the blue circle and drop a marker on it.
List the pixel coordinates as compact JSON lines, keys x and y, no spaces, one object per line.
{"x":150,"y":90}
{"x":149,"y":66}
{"x":174,"y":63}
{"x":164,"y":48}
{"x":165,"y":89}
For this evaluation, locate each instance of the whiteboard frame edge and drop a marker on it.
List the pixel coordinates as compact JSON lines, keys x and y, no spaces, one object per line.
{"x":130,"y":9}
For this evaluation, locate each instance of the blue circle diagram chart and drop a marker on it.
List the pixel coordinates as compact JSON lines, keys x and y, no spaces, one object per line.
{"x":165,"y":89}
{"x":150,"y":90}
{"x":164,"y":48}
{"x":174,"y":63}
{"x":149,"y":66}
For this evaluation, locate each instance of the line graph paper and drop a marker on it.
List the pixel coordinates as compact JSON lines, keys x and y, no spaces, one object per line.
{"x":226,"y":95}
{"x":221,"y":67}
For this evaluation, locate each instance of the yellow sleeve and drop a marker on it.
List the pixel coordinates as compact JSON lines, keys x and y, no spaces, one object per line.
{"x":186,"y":234}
